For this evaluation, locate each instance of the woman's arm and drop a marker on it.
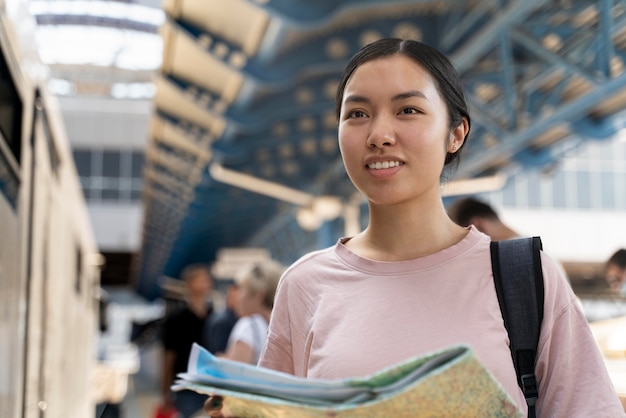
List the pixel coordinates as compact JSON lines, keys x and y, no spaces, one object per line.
{"x":240,"y":351}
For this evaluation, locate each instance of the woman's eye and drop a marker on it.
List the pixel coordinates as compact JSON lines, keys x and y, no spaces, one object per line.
{"x":356,"y":114}
{"x":410,"y":111}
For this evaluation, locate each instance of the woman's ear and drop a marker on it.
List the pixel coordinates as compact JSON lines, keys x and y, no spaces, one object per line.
{"x":457,"y":136}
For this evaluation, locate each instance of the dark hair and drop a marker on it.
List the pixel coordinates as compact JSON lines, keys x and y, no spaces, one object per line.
{"x":462,"y":211}
{"x":618,"y":258}
{"x":446,"y":78}
{"x":193,"y":269}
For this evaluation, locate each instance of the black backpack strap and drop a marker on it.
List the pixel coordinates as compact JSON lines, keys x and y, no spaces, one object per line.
{"x":518,"y":278}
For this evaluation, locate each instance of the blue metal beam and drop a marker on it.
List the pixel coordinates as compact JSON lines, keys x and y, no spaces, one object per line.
{"x":517,"y":141}
{"x":487,"y":37}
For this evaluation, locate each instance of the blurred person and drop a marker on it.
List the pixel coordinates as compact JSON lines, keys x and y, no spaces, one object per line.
{"x":255,"y":299}
{"x":219,"y":327}
{"x":615,"y":272}
{"x":470,"y":211}
{"x":413,"y":281}
{"x":181,"y":329}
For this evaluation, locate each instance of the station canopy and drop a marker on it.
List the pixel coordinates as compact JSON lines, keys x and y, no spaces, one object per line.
{"x":243,"y":150}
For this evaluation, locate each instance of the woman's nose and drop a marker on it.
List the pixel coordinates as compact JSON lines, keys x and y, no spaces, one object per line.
{"x":381,"y":134}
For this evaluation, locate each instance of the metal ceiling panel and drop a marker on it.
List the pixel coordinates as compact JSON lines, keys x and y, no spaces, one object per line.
{"x":247,"y":90}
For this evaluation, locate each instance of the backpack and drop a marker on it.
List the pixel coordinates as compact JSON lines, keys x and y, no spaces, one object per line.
{"x":518,"y":278}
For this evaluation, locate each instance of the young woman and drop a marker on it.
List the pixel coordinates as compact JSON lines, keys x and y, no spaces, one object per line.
{"x":413,"y":281}
{"x":256,"y":286}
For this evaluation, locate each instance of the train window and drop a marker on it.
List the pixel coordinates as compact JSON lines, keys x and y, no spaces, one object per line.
{"x":9,"y":182}
{"x":53,"y":153}
{"x":11,"y":109}
{"x":79,"y":269}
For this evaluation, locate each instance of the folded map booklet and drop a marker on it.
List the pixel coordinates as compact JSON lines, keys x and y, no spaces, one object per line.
{"x":446,"y":383}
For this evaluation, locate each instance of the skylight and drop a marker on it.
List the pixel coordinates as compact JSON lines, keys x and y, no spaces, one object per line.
{"x":101,"y":33}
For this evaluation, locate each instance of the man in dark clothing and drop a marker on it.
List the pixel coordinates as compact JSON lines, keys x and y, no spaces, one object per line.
{"x":221,"y":324}
{"x":181,"y":329}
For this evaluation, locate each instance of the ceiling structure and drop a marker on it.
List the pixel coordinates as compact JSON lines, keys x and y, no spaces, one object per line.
{"x":243,"y":149}
{"x":99,"y":47}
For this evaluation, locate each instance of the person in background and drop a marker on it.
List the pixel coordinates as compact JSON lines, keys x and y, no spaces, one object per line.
{"x":220,"y":325}
{"x":615,"y":272}
{"x":255,"y":299}
{"x":181,"y":329}
{"x":470,"y":211}
{"x":413,"y":281}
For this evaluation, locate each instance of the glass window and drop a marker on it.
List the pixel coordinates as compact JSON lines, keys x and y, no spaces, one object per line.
{"x":590,"y":152}
{"x":135,"y":195}
{"x":10,"y":111}
{"x":583,"y":189}
{"x":138,"y":162}
{"x":607,"y":182}
{"x":82,"y":158}
{"x":137,"y":189}
{"x":558,"y":195}
{"x":125,"y":163}
{"x":607,"y":150}
{"x":110,"y":194}
{"x":534,"y":190}
{"x":508,"y":193}
{"x":110,"y":164}
{"x":79,"y":270}
{"x":89,"y":194}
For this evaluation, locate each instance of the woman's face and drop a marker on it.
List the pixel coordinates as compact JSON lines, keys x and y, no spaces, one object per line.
{"x":393,"y":131}
{"x":616,"y":277}
{"x":248,"y":302}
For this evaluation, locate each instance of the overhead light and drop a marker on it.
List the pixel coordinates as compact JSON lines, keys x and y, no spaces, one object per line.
{"x":313,"y":211}
{"x":308,"y":220}
{"x":107,"y":9}
{"x":257,"y":185}
{"x":327,"y":207}
{"x":61,"y":87}
{"x":133,"y":90}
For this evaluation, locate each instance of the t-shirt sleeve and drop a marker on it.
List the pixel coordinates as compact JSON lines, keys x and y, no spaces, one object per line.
{"x":276,"y":354}
{"x":573,"y":380}
{"x":243,"y":332}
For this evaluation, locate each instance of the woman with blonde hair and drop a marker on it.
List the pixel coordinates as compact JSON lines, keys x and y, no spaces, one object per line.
{"x":255,"y":299}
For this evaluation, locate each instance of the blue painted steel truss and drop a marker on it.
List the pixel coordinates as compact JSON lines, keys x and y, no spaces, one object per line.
{"x":538,"y":74}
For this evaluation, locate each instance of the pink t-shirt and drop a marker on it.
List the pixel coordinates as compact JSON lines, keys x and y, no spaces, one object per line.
{"x":339,"y":315}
